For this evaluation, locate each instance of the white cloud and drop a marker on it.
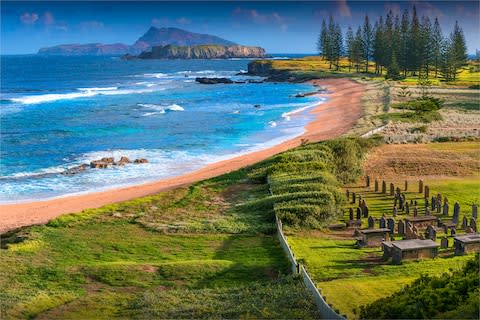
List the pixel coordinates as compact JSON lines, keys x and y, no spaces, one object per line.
{"x":29,"y":18}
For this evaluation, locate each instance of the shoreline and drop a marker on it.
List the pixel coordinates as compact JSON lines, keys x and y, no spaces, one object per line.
{"x":332,"y":118}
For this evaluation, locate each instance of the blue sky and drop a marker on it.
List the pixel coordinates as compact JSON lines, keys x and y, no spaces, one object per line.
{"x":279,"y":27}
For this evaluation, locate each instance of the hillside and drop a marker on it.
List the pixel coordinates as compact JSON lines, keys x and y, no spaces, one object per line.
{"x":153,"y":37}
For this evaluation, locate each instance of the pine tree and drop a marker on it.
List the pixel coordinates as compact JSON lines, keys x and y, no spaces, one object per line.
{"x":322,"y":44}
{"x":379,"y":51}
{"x":436,"y":46}
{"x":426,"y":39}
{"x":414,"y":43}
{"x":458,"y":49}
{"x":403,"y":43}
{"x":358,"y":49}
{"x":337,"y":48}
{"x":367,"y":41}
{"x":350,"y":39}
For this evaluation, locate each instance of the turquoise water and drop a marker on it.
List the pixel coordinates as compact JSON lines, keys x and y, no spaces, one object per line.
{"x":59,"y":112}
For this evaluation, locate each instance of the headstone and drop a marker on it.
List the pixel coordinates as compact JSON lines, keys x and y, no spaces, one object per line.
{"x":453,"y":232}
{"x":439,"y":203}
{"x":475,"y":211}
{"x":445,"y":200}
{"x":434,"y":203}
{"x":360,"y":200}
{"x":420,"y":186}
{"x":398,"y":191}
{"x":445,"y":209}
{"x":464,"y":222}
{"x":392,"y":189}
{"x":407,"y":208}
{"x":350,"y":214}
{"x":426,"y":203}
{"x":365,"y":212}
{"x":427,"y":211}
{"x":371,"y":223}
{"x":456,"y":212}
{"x":359,"y":213}
{"x":445,"y":228}
{"x":368,"y":181}
{"x":411,"y":202}
{"x":384,"y":187}
{"x":401,"y":227}
{"x":431,"y":233}
{"x":376,"y":185}
{"x":364,"y":204}
{"x":468,"y":230}
{"x":415,"y":203}
{"x":401,"y":202}
{"x":354,"y":197}
{"x":473,"y":224}
{"x":395,"y":201}
{"x":415,"y":211}
{"x":391,"y":225}
{"x":395,"y":211}
{"x":406,"y":185}
{"x":444,"y":243}
{"x":383,"y":222}
{"x":427,"y":192}
{"x":348,"y":194}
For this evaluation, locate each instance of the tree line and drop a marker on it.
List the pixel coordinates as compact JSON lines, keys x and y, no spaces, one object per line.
{"x":401,"y":45}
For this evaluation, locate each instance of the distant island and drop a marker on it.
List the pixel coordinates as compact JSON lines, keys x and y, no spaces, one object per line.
{"x":199,"y":52}
{"x":162,"y":43}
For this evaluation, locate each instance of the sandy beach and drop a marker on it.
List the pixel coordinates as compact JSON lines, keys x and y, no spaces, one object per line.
{"x":332,"y":118}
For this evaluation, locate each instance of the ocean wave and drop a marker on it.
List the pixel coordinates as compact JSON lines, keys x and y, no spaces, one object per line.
{"x":287,"y":115}
{"x":34,"y":174}
{"x":155,"y":75}
{"x":272,"y":124}
{"x":159,"y":108}
{"x":84,"y":93}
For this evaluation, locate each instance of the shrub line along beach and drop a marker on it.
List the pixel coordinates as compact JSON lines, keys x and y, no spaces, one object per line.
{"x":333,"y":118}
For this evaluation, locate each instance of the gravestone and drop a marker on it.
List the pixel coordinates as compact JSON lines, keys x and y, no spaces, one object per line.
{"x":444,"y":243}
{"x":426,"y":203}
{"x":456,"y":212}
{"x":464,"y":222}
{"x":364,"y":204}
{"x":406,"y":185}
{"x":350,"y":214}
{"x":431,"y":233}
{"x":415,"y":211}
{"x":395,"y":211}
{"x":365,"y":212}
{"x":407,"y":208}
{"x":382,"y":222}
{"x":415,"y":203}
{"x":445,"y":228}
{"x":468,"y":230}
{"x":392,"y":189}
{"x":473,"y":224}
{"x":427,"y":192}
{"x":453,"y":232}
{"x":391,"y":225}
{"x":475,"y":211}
{"x":439,"y":203}
{"x":401,"y":202}
{"x":411,"y":202}
{"x":395,"y":201}
{"x":371,"y":223}
{"x":376,"y":185}
{"x":368,"y":181}
{"x":384,"y":187}
{"x":348,"y":194}
{"x":445,"y":209}
{"x":401,"y":227}
{"x":420,"y":186}
{"x":360,"y":200}
{"x":359,"y":213}
{"x":434,"y":203}
{"x":354,"y":197}
{"x":398,"y":191}
{"x":445,"y":200}
{"x":427,"y":211}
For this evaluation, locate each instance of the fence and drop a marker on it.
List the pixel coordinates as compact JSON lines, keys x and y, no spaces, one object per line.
{"x":374,"y":131}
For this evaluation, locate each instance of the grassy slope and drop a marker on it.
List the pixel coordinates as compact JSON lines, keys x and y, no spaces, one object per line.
{"x":172,"y":254}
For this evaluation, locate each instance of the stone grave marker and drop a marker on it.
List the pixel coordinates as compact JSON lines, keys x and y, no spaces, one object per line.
{"x":473,"y":224}
{"x":348,"y":194}
{"x":392,"y":189}
{"x":384,"y":187}
{"x":464,"y":222}
{"x":453,"y":231}
{"x":367,"y":181}
{"x":359,"y":213}
{"x":420,"y":186}
{"x":456,"y":212}
{"x":391,"y":225}
{"x":427,"y":192}
{"x":407,"y":208}
{"x":444,"y":243}
{"x":354,"y":197}
{"x":365,"y":212}
{"x":371,"y":223}
{"x":445,"y":209}
{"x":395,"y":211}
{"x":475,"y":211}
{"x":350,"y":214}
{"x":376,"y":185}
{"x":401,"y":227}
{"x":382,"y":222}
{"x":406,"y":185}
{"x":415,"y":211}
{"x":431,"y":233}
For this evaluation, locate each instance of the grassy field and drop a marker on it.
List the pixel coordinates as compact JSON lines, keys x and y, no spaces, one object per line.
{"x":189,"y":253}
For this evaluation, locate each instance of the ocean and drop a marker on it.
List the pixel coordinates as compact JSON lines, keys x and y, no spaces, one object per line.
{"x":61,"y":112}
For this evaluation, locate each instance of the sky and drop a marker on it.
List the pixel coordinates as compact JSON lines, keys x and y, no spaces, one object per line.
{"x":279,"y":27}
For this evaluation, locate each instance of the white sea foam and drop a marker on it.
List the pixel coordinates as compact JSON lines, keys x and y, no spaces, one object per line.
{"x":155,"y":75}
{"x":98,"y":89}
{"x":159,"y":108}
{"x":287,"y":115}
{"x":272,"y":124}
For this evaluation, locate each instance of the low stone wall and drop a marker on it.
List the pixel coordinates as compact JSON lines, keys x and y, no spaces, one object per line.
{"x":284,"y":244}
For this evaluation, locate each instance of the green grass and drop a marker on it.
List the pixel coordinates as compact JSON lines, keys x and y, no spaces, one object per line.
{"x":349,"y":277}
{"x":411,"y":117}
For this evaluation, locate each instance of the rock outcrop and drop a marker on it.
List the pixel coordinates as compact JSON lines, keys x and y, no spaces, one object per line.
{"x":200,"y":52}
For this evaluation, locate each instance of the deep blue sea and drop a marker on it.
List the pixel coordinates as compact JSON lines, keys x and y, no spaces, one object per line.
{"x":59,"y":112}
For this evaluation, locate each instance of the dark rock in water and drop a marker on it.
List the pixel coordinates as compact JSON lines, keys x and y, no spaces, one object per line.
{"x":75,"y":170}
{"x":123,"y":161}
{"x":205,"y":80}
{"x":257,"y":106}
{"x":239,"y":82}
{"x":255,"y":81}
{"x":242,"y":74}
{"x":109,"y":160}
{"x":141,"y":160}
{"x":98,"y":164}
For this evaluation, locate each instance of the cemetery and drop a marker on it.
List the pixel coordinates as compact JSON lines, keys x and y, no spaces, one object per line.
{"x":409,"y":249}
{"x":467,"y":243}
